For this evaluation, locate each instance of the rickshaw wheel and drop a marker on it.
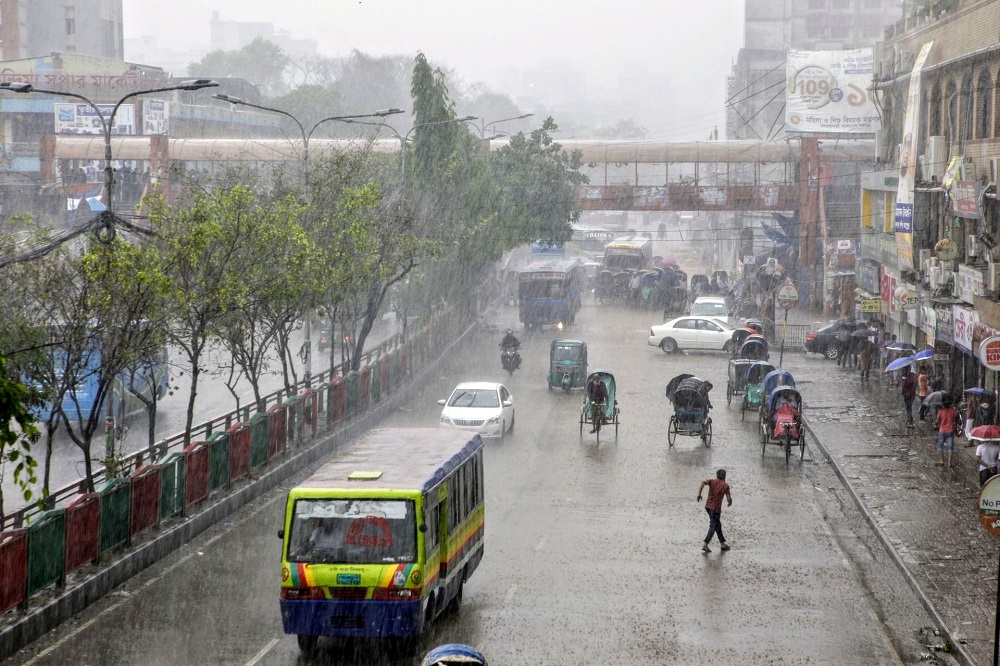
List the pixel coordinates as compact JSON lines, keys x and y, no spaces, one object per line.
{"x":706,"y":433}
{"x":729,"y":393}
{"x":743,"y":408}
{"x":672,"y":431}
{"x":802,"y":446}
{"x":763,"y":431}
{"x":616,"y":423}
{"x":763,"y":446}
{"x":788,"y":445}
{"x":581,"y":423}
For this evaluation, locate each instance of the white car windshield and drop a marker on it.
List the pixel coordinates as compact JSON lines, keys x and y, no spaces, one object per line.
{"x":709,"y":309}
{"x":474,"y":398}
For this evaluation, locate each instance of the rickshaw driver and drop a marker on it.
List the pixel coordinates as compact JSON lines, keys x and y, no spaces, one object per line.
{"x":597,"y":393}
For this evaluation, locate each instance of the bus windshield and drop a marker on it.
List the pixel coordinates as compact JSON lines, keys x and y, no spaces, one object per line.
{"x":353,"y":531}
{"x":538,"y":289}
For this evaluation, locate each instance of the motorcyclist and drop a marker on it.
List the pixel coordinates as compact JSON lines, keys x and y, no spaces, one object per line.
{"x":510,"y":340}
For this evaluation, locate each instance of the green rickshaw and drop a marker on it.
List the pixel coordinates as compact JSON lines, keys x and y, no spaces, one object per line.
{"x":567,"y":364}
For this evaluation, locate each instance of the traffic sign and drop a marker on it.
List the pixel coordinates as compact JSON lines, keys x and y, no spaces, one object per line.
{"x":787,"y":296}
{"x":989,"y":506}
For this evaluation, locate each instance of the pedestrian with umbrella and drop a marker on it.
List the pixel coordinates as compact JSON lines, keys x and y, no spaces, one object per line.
{"x":988,"y":451}
{"x":909,"y":392}
{"x":978,"y":410}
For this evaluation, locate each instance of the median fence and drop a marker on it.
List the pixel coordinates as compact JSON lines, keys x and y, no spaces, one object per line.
{"x":39,"y":549}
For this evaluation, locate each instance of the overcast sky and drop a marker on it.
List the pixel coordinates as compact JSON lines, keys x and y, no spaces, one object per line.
{"x":687,"y":47}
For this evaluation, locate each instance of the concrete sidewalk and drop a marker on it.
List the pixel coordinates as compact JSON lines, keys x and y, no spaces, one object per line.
{"x":926,"y":513}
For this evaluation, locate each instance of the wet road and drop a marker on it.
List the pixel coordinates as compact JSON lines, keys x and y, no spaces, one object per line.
{"x":592,"y":551}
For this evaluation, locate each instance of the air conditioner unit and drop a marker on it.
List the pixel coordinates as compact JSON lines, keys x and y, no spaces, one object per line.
{"x":922,"y":167}
{"x":934,"y":263}
{"x":993,"y":278}
{"x":994,"y":169}
{"x":924,"y":257}
{"x":935,"y":277}
{"x":937,"y":158}
{"x":971,"y":246}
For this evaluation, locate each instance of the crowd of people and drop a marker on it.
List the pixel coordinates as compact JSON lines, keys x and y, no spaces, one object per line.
{"x":952,"y":413}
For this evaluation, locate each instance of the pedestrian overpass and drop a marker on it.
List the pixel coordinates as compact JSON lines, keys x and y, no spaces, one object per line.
{"x":624,"y":175}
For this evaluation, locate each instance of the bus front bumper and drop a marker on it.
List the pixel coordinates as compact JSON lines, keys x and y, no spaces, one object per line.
{"x":357,"y":619}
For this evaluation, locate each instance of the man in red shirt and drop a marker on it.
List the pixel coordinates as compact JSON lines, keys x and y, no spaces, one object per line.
{"x":946,"y":418}
{"x":717,"y":489}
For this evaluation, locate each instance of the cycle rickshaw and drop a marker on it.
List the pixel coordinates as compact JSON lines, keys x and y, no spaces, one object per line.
{"x":689,"y":396}
{"x":782,"y":422}
{"x":600,"y":415}
{"x":739,"y":337}
{"x":753,"y":397}
{"x":736,"y":385}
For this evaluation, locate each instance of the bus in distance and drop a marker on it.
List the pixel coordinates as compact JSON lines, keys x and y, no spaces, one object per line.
{"x":632,"y":253}
{"x":551,"y":292}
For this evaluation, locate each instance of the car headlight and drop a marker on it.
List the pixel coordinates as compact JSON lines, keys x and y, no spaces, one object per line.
{"x":493,"y":421}
{"x":445,"y":420}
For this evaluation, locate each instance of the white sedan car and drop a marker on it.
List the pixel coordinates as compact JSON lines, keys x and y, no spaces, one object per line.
{"x":483,"y":407}
{"x":692,"y":333}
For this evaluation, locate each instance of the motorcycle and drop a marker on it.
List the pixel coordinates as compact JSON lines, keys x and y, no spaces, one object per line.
{"x":510,"y":359}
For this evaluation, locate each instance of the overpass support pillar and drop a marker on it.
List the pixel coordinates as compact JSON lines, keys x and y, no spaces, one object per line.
{"x":809,"y":215}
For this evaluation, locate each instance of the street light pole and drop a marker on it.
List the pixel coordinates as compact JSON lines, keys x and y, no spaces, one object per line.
{"x":482,"y":129}
{"x":236,"y":101}
{"x":106,"y":127}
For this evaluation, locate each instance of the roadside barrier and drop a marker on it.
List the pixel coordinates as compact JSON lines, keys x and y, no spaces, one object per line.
{"x":38,"y":549}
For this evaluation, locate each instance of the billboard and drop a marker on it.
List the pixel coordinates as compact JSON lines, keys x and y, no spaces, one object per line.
{"x":827,"y":91}
{"x":908,"y":165}
{"x":83,"y":119}
{"x":155,"y":117}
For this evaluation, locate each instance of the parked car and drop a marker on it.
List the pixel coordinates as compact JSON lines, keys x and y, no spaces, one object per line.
{"x":710,"y":306}
{"x":483,"y":407}
{"x":823,"y":340}
{"x":692,"y":333}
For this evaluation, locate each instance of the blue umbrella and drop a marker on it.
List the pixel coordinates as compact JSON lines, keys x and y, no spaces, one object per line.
{"x":981,"y":392}
{"x":923,"y":355}
{"x":899,"y":364}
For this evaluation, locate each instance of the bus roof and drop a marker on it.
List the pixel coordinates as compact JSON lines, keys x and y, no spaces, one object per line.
{"x":402,"y":459}
{"x":554,"y":264}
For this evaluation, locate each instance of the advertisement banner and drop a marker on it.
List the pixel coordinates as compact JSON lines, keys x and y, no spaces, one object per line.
{"x":970,"y":283}
{"x":964,"y":323}
{"x":965,"y":199}
{"x":827,"y":91}
{"x":928,"y":322}
{"x":908,"y":165}
{"x":945,"y":333}
{"x":155,"y":117}
{"x":83,"y":119}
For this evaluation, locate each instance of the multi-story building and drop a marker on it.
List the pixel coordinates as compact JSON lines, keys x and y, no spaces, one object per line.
{"x":940,"y":288}
{"x":31,"y":28}
{"x":756,"y":86}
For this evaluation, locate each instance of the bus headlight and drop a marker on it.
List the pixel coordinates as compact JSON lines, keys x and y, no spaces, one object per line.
{"x":559,"y":326}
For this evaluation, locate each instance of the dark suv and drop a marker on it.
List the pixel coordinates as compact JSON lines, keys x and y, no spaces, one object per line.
{"x":824,"y":339}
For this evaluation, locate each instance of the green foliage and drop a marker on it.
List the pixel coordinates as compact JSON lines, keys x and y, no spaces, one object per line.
{"x":625,"y":130}
{"x":261,"y":62}
{"x":17,"y":432}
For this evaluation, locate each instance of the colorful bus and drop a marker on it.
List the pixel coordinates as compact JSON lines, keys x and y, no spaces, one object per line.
{"x":630,"y":253}
{"x":380,"y":540}
{"x":551,"y":292}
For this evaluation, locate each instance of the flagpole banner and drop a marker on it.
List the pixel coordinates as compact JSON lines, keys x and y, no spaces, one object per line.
{"x":827,"y":91}
{"x":908,"y":165}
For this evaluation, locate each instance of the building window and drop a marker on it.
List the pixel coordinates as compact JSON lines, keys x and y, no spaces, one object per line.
{"x":984,"y":105}
{"x":817,"y":4}
{"x":965,"y":131}
{"x":71,"y":26}
{"x":934,"y":113}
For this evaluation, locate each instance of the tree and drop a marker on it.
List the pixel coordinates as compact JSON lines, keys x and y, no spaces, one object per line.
{"x":260,"y":62}
{"x":203,"y":249}
{"x":17,"y":432}
{"x":625,"y":130}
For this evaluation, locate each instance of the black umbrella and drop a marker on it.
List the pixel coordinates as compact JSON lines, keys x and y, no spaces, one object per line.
{"x":864,"y":333}
{"x":674,"y":383}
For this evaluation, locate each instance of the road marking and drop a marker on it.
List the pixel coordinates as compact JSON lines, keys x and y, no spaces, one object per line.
{"x":264,"y":650}
{"x":510,"y":593}
{"x":541,"y":542}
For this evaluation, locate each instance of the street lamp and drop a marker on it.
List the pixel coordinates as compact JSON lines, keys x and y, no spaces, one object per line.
{"x":404,"y":138}
{"x":482,"y":129}
{"x":305,"y":135}
{"x":236,"y":101}
{"x":106,"y":127}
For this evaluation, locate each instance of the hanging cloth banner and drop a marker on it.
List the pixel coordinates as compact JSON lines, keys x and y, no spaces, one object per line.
{"x":908,"y":165}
